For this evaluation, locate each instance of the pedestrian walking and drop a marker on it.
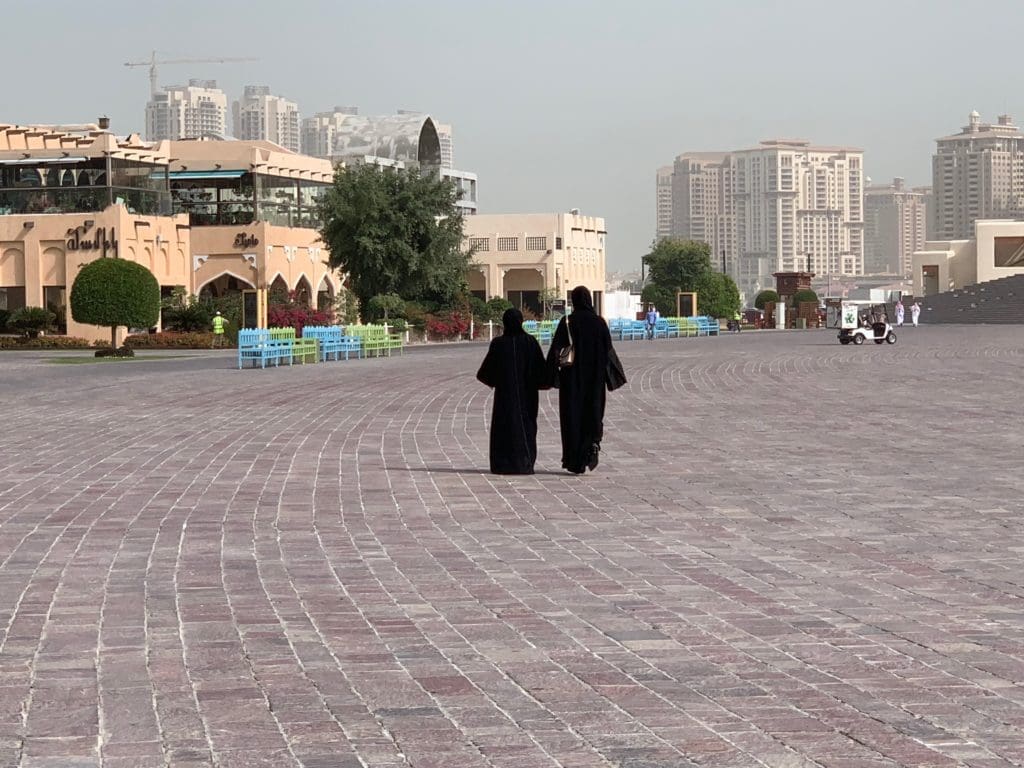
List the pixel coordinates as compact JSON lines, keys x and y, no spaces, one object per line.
{"x":583,"y":365}
{"x":219,"y":321}
{"x":652,"y":320}
{"x":915,"y":313}
{"x":899,"y":313}
{"x":515,"y":368}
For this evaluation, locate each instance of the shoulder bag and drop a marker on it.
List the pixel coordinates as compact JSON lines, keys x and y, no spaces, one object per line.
{"x":566,"y":355}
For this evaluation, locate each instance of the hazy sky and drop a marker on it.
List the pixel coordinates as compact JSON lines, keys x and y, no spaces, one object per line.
{"x":555,"y":104}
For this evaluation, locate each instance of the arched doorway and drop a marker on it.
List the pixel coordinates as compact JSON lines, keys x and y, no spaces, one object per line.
{"x":303,"y":292}
{"x":225,"y":284}
{"x":278,"y":290}
{"x":325,"y":294}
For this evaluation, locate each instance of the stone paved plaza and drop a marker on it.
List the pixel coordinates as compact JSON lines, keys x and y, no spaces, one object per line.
{"x":793,"y":554}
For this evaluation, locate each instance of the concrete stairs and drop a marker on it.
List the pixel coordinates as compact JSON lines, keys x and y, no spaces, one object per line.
{"x":996,"y":302}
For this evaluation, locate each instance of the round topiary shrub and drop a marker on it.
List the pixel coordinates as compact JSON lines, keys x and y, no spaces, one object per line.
{"x":803,"y":295}
{"x":764,"y":297}
{"x":115,"y":292}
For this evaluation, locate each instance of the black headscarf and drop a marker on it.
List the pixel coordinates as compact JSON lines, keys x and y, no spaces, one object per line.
{"x":513,"y":321}
{"x":581,"y":298}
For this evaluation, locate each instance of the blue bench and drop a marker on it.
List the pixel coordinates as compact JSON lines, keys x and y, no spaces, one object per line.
{"x":328,"y":338}
{"x":258,"y":346}
{"x":707,"y":326}
{"x":333,"y":341}
{"x":350,"y":344}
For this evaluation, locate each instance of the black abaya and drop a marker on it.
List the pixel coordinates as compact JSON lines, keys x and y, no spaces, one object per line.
{"x":515,"y":367}
{"x":581,"y":386}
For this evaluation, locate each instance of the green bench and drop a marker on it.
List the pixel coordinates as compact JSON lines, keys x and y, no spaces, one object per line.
{"x":302,"y":350}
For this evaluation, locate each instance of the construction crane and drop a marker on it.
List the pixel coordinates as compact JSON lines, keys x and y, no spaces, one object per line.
{"x":152,"y":62}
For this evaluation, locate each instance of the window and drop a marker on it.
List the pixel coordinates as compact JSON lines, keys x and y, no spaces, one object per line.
{"x":558,"y":243}
{"x":536,"y":243}
{"x":480,"y":244}
{"x":508,"y":243}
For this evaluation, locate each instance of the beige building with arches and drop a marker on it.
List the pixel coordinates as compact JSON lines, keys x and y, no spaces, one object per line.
{"x":520,"y":256}
{"x":210,"y":216}
{"x":252,"y":210}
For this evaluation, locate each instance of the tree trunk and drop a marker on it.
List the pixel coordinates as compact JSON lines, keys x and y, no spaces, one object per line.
{"x":113,"y":337}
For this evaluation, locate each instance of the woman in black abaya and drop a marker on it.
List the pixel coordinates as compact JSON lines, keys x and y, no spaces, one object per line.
{"x":515,"y":367}
{"x":581,"y":385}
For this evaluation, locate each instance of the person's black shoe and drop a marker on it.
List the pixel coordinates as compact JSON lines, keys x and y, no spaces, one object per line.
{"x":595,"y":450}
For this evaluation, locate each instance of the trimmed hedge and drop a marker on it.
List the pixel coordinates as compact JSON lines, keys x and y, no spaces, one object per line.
{"x":122,"y":352}
{"x":49,"y":342}
{"x":170,"y":340}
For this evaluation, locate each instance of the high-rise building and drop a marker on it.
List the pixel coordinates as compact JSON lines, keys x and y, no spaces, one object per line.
{"x":798,"y":207}
{"x":702,"y":204}
{"x":663,"y":225}
{"x":977,"y":174}
{"x":261,"y":116}
{"x":895,"y":220}
{"x":444,"y":135}
{"x":782,"y":206}
{"x":320,"y":131}
{"x":187,"y":112}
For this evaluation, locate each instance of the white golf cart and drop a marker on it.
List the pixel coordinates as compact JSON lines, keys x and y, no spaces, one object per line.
{"x":859,"y":321}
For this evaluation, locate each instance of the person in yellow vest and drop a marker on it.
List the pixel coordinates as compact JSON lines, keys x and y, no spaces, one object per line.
{"x":219,"y":321}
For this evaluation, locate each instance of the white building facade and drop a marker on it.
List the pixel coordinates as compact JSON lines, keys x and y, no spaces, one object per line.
{"x":977,"y":174}
{"x":995,"y":251}
{"x":465,"y":185}
{"x":187,"y":112}
{"x":261,"y":116}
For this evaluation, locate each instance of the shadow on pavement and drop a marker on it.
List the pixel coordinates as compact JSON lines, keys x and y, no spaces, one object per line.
{"x":475,"y":471}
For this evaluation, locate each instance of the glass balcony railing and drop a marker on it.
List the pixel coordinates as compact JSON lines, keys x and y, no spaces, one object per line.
{"x":85,"y":200}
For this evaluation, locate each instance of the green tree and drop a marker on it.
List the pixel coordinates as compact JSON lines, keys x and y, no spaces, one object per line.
{"x":662,"y":298}
{"x":675,"y":265}
{"x":496,"y":307}
{"x":717,"y":295}
{"x":185,"y":313}
{"x":384,"y":304}
{"x":115,"y":292}
{"x":395,"y":231}
{"x":765,"y":296}
{"x":31,"y":321}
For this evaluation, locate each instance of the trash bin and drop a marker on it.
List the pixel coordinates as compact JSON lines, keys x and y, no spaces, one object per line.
{"x":801,"y":323}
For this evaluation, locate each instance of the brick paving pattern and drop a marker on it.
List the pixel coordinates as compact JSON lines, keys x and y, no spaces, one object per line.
{"x":793,"y":554}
